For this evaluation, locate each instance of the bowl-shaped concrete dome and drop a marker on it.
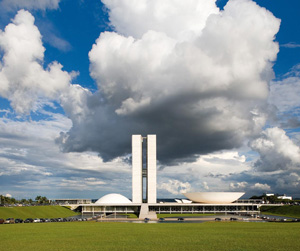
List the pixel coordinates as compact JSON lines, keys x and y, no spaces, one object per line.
{"x":113,"y":198}
{"x":214,"y":197}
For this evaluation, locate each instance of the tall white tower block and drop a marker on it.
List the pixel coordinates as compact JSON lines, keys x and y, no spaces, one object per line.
{"x":137,"y":165}
{"x":149,"y":171}
{"x":151,"y":168}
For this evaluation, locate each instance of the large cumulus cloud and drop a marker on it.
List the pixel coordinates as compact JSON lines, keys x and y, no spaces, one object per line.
{"x":277,"y":151}
{"x":24,"y":80}
{"x":200,"y":85}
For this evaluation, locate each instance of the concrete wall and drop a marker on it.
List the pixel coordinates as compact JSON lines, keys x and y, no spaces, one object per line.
{"x":151,"y":166}
{"x":137,"y":189}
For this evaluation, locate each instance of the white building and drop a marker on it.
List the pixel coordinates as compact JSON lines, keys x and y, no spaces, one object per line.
{"x":284,"y":197}
{"x":143,"y":172}
{"x":144,"y":200}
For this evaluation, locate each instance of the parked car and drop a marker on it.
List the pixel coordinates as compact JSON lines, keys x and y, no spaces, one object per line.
{"x":161,"y":219}
{"x":9,"y":221}
{"x":36,"y":220}
{"x":218,"y":219}
{"x":28,"y":220}
{"x":18,"y":221}
{"x":1,"y":221}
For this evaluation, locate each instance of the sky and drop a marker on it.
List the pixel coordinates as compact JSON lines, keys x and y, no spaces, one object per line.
{"x":218,"y":82}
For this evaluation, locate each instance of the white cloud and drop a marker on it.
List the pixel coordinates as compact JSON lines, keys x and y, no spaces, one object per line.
{"x":291,"y":45}
{"x":85,"y":184}
{"x":285,"y":94}
{"x":238,"y":185}
{"x":57,"y":42}
{"x":175,"y":187}
{"x":210,"y":172}
{"x":261,"y":187}
{"x":23,"y":79}
{"x":177,"y":19}
{"x":277,"y":151}
{"x":205,"y":185}
{"x":31,"y":161}
{"x":212,"y":86}
{"x":199,"y":81}
{"x":29,"y":4}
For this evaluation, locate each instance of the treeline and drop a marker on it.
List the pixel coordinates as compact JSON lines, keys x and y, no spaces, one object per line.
{"x":39,"y":200}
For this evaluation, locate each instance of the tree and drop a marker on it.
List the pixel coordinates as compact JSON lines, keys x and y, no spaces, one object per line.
{"x":38,"y":199}
{"x":41,"y":199}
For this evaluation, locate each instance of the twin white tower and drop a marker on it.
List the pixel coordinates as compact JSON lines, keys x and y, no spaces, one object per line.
{"x":140,"y":171}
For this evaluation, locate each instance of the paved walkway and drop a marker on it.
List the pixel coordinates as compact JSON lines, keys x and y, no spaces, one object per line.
{"x":200,"y":219}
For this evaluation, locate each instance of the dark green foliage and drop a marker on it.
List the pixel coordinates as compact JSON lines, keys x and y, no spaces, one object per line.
{"x":41,"y":200}
{"x":288,"y":210}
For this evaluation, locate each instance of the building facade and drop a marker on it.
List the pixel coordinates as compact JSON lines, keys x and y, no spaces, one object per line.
{"x":143,"y":169}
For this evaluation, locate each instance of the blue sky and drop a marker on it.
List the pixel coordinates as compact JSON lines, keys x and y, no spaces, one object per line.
{"x":217,"y":82}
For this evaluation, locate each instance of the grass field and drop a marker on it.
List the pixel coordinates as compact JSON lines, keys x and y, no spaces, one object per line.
{"x":35,"y":212}
{"x":166,"y":236}
{"x":289,"y":210}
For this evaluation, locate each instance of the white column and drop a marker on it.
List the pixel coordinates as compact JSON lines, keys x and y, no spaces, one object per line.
{"x":137,"y":188}
{"x":151,"y":166}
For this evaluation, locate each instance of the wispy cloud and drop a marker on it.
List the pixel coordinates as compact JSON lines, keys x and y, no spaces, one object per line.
{"x":291,"y":45}
{"x":11,"y":5}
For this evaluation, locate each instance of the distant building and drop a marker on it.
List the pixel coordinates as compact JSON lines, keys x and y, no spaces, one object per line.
{"x":284,"y":197}
{"x":70,"y":201}
{"x":269,"y":194}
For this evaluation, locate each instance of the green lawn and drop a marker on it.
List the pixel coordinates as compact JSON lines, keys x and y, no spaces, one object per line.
{"x":35,"y":212}
{"x":131,"y":216}
{"x":288,"y":210}
{"x":166,"y":236}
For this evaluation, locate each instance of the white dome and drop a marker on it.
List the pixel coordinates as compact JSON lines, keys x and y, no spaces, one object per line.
{"x":214,"y":197}
{"x":113,"y":198}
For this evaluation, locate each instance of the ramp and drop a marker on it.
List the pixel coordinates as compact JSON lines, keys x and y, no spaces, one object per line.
{"x":144,"y":212}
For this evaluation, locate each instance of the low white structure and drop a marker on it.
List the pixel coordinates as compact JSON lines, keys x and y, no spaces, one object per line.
{"x":113,"y":198}
{"x":147,"y":210}
{"x":284,"y":197}
{"x":148,"y":207}
{"x":269,"y":194}
{"x":70,"y":201}
{"x":214,"y":197}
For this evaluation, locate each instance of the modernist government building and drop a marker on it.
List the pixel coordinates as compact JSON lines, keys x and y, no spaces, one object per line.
{"x":144,"y":196}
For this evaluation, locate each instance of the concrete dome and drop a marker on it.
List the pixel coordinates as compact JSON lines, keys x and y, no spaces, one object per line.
{"x":113,"y":198}
{"x":214,"y":197}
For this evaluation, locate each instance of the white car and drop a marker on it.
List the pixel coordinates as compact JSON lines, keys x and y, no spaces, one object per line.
{"x":36,"y":220}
